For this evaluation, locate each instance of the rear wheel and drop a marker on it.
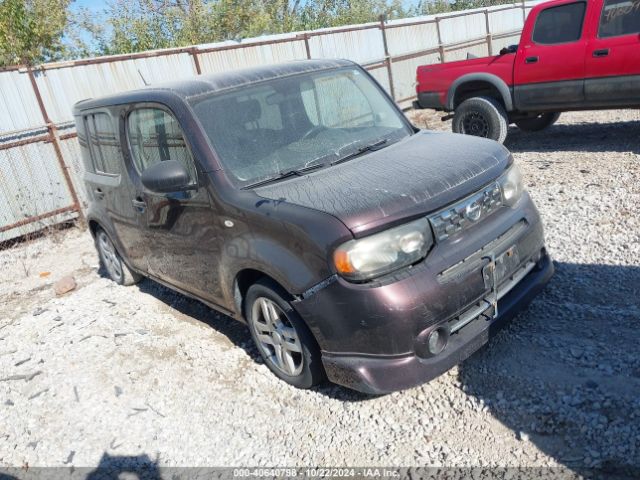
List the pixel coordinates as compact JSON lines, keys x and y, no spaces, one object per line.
{"x":537,"y":123}
{"x":283,"y":340}
{"x":481,"y":117}
{"x":112,"y":262}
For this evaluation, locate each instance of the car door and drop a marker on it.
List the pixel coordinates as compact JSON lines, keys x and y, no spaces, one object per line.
{"x":549,"y":66}
{"x":184,"y":248}
{"x":109,"y":186}
{"x":613,"y":55}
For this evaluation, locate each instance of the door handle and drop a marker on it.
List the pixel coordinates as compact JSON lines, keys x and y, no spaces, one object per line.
{"x":531,"y":60}
{"x":98,"y":193}
{"x":139,"y":204}
{"x":601,"y":53}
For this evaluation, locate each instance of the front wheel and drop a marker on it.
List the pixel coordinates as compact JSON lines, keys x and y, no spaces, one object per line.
{"x":283,"y":340}
{"x":481,"y":117}
{"x":537,"y":123}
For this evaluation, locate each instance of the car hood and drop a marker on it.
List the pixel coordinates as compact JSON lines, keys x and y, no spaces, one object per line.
{"x":420,"y":174}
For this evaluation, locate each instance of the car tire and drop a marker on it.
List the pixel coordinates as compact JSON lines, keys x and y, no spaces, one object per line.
{"x":540,"y":122}
{"x":112,"y":262}
{"x":284,"y":341}
{"x":481,"y":117}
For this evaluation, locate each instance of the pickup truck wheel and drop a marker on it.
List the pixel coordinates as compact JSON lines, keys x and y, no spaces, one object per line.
{"x":481,"y":117}
{"x":283,"y":340}
{"x":112,"y":262}
{"x":535,"y":124}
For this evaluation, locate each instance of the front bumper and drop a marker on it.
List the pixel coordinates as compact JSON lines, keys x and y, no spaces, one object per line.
{"x":378,"y":375}
{"x":428,"y":100}
{"x":372,"y":335}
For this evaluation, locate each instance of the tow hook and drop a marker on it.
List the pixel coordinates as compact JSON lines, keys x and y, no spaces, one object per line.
{"x":447,"y":117}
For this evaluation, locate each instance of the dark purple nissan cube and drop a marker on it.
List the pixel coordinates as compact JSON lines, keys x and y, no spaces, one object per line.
{"x":298,"y":198}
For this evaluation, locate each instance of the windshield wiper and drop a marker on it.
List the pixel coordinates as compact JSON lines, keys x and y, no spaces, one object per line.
{"x":298,"y":172}
{"x":365,"y":148}
{"x":316,"y":164}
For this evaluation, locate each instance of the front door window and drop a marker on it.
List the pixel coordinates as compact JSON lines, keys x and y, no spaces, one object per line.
{"x":155,"y":136}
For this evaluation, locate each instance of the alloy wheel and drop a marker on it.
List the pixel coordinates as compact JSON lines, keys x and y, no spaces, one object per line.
{"x":109,"y":256}
{"x":276,"y":337}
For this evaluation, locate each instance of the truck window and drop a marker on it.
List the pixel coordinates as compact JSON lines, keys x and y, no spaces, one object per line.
{"x":562,"y":24}
{"x":103,"y":144}
{"x":155,"y":136}
{"x":619,"y":17}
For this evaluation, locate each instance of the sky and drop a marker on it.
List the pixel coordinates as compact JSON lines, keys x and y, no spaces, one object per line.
{"x":93,"y":5}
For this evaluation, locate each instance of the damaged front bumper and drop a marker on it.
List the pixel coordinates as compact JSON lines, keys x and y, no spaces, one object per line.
{"x":378,"y":375}
{"x":372,"y":335}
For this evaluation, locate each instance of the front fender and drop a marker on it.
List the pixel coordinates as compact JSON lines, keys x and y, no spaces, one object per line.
{"x":494,"y":80}
{"x":292,"y":269}
{"x":294,"y":251}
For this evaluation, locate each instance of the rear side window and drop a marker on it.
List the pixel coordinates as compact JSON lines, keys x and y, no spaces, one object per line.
{"x":562,"y":24}
{"x":155,"y":136}
{"x":103,"y":144}
{"x":619,"y":17}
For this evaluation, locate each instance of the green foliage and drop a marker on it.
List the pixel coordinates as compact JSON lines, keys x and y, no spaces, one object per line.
{"x":433,"y":7}
{"x":150,"y":24}
{"x":334,"y":13}
{"x":31,"y":31}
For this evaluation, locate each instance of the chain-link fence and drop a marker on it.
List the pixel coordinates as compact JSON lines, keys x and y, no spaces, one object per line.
{"x":34,"y":193}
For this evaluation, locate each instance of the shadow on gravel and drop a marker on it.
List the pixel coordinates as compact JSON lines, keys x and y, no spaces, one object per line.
{"x":133,"y":467}
{"x":583,"y":137}
{"x":565,"y":374}
{"x":234,"y":330}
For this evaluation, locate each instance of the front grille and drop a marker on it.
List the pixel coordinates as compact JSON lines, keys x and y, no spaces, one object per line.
{"x":473,"y":261}
{"x":465,"y":213}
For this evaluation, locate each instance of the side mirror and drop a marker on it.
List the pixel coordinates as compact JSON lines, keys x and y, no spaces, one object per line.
{"x":166,"y":177}
{"x":509,"y":49}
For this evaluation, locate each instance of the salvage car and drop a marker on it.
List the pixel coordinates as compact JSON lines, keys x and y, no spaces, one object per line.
{"x":298,"y":198}
{"x":572,"y":55}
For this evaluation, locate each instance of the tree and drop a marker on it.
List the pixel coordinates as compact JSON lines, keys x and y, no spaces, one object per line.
{"x":433,"y":7}
{"x":136,"y":25}
{"x":31,"y":31}
{"x":334,"y":13}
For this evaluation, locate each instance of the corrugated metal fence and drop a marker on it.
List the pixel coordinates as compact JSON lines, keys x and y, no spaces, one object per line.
{"x":40,"y":169}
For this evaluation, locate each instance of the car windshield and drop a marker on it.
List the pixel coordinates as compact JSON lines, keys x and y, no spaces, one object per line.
{"x":273,"y":128}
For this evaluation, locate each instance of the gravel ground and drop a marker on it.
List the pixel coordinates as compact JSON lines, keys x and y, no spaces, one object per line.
{"x":110,"y":372}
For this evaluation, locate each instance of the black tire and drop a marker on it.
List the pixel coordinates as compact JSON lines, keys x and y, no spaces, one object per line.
{"x":481,"y":117}
{"x":111,"y":261}
{"x":540,"y":122}
{"x":311,"y":370}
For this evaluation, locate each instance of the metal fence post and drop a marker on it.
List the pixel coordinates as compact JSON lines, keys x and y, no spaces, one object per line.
{"x":524,"y":11}
{"x":489,"y":39}
{"x":387,"y":57}
{"x":196,"y":60}
{"x":55,"y":141}
{"x":307,"y":47}
{"x":440,"y":45}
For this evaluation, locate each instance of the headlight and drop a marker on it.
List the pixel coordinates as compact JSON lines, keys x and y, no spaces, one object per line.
{"x":384,"y":252}
{"x":511,"y":185}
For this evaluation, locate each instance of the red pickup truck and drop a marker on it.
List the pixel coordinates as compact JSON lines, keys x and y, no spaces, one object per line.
{"x":572,"y":55}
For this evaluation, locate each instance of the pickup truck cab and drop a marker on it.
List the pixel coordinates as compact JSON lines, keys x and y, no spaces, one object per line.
{"x":572,"y":55}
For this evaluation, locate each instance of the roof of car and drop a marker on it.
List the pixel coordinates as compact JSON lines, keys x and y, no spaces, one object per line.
{"x":203,"y":84}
